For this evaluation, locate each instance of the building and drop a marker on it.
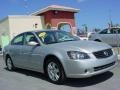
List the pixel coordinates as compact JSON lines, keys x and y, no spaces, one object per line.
{"x":13,"y":25}
{"x":52,"y":17}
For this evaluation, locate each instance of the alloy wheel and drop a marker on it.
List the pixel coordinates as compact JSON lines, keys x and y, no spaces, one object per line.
{"x":53,"y":71}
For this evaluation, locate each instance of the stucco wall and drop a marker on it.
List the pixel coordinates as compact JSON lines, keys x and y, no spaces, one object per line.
{"x":59,"y":17}
{"x":20,"y":24}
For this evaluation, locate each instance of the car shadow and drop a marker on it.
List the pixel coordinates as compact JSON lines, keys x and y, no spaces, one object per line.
{"x":30,"y":73}
{"x":83,"y":82}
{"x":72,"y":82}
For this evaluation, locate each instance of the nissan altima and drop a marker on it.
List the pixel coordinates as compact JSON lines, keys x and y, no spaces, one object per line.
{"x":59,"y":55}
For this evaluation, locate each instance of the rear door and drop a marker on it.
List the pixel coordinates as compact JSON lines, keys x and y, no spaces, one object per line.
{"x":109,"y":36}
{"x":117,"y":31}
{"x":15,"y":50}
{"x":115,"y":36}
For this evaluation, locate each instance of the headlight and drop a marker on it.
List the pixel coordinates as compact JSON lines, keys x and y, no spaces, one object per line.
{"x":77,"y":55}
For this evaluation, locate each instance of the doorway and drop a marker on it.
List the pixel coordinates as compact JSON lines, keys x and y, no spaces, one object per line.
{"x":65,"y":27}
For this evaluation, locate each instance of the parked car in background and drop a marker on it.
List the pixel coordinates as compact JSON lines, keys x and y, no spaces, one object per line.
{"x":82,"y":36}
{"x":59,"y":55}
{"x":110,"y":36}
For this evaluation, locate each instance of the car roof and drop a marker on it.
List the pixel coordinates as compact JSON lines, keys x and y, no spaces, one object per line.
{"x":109,"y":28}
{"x":34,"y":31}
{"x":114,"y":27}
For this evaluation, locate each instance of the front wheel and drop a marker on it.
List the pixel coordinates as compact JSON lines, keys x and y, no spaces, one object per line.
{"x":55,"y":72}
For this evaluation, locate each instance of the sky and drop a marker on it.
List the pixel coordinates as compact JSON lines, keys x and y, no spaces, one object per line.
{"x":93,"y":13}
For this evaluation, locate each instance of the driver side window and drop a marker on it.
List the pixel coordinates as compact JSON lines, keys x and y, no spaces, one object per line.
{"x":29,"y":37}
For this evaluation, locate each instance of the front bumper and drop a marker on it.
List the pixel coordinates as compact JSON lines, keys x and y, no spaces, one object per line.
{"x":90,"y":67}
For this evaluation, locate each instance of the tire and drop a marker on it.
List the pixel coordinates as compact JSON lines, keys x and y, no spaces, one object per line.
{"x":55,"y":71}
{"x":9,"y":64}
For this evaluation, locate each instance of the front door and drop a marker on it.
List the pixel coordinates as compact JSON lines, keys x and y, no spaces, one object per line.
{"x":31,"y":54}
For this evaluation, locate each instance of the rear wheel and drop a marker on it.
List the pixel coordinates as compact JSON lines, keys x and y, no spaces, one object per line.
{"x":9,"y":64}
{"x":55,"y":71}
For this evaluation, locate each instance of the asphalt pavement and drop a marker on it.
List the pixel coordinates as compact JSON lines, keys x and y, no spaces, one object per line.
{"x":29,"y":80}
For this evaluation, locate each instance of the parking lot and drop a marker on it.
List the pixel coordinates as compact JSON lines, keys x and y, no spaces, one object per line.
{"x":28,"y":80}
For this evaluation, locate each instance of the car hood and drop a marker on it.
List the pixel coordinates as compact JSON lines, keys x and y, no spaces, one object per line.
{"x":86,"y":46}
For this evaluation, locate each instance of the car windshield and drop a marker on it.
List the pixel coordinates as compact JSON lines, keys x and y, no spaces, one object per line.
{"x":49,"y":37}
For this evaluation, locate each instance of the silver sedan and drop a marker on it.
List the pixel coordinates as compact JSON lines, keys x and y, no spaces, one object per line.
{"x":59,"y":55}
{"x":110,"y":36}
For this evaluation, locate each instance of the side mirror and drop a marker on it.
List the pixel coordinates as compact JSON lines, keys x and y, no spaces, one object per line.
{"x":33,"y":43}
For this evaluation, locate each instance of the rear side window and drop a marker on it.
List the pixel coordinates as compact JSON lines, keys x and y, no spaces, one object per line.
{"x":118,"y":31}
{"x":18,"y":40}
{"x":115,"y":31}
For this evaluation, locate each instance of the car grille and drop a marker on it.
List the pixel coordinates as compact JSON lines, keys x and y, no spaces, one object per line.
{"x":103,"y":54}
{"x":103,"y":67}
